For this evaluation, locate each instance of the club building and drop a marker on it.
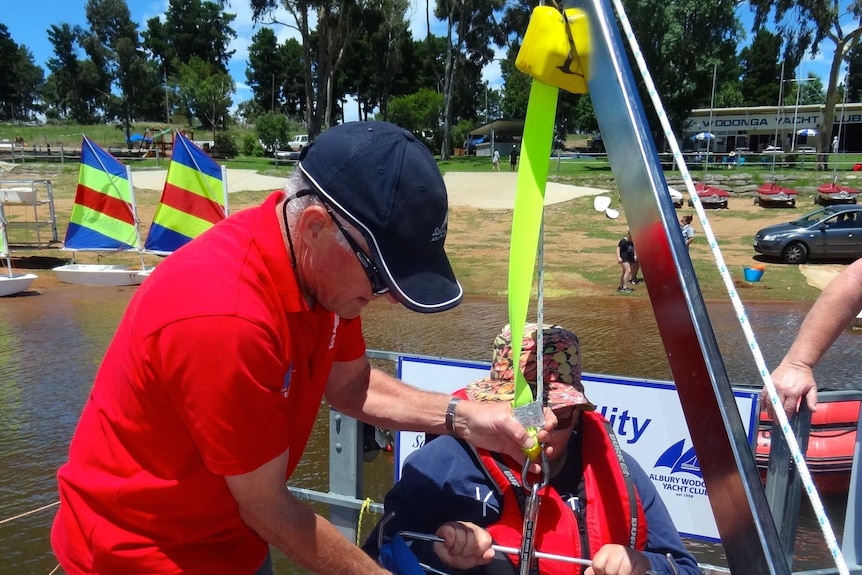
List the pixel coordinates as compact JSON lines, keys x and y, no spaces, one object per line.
{"x":755,"y":128}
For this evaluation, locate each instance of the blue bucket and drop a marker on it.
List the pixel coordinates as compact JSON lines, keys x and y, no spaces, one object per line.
{"x":752,"y":275}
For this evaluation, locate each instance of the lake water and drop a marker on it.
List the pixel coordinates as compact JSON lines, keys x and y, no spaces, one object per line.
{"x":51,"y":344}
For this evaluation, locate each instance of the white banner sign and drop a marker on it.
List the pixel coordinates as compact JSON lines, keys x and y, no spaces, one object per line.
{"x":646,"y":416}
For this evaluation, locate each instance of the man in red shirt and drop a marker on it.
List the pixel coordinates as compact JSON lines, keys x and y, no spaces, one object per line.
{"x":208,"y":392}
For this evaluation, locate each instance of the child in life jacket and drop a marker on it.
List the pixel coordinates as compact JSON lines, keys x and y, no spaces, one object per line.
{"x":598,"y":504}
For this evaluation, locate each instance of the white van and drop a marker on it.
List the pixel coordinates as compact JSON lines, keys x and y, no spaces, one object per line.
{"x":298,"y":142}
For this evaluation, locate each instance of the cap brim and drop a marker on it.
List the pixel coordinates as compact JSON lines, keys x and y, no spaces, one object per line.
{"x":422,"y":282}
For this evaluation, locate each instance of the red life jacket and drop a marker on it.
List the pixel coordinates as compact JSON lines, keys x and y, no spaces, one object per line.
{"x":613,"y":509}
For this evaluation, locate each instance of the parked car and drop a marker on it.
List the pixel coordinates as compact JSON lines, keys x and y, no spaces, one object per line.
{"x":830,"y":232}
{"x":298,"y":142}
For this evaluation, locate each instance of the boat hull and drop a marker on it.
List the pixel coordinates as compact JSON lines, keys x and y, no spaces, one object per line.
{"x":835,"y":194}
{"x":15,"y":284}
{"x":772,"y":194}
{"x":831,"y":443}
{"x":99,"y":275}
{"x":711,"y":196}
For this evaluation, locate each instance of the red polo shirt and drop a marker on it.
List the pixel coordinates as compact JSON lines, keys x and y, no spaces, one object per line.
{"x":217,"y":367}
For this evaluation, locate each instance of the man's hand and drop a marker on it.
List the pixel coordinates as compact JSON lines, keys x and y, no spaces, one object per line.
{"x":618,"y":560}
{"x":465,"y":545}
{"x":492,"y":426}
{"x":793,"y":381}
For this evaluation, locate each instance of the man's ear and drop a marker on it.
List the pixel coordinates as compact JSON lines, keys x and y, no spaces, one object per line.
{"x":313,"y":221}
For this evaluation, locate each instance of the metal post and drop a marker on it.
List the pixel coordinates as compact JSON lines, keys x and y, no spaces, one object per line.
{"x":345,"y":469}
{"x":736,"y":495}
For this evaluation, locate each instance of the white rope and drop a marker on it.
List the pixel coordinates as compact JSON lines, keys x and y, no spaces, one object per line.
{"x":742,"y":315}
{"x":26,"y":513}
{"x":540,"y":316}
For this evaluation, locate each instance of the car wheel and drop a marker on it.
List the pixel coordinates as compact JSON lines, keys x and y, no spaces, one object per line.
{"x":792,"y":203}
{"x":816,"y":200}
{"x":756,"y":201}
{"x":795,"y":253}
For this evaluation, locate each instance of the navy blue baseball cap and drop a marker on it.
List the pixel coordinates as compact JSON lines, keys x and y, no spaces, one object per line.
{"x":385,"y":182}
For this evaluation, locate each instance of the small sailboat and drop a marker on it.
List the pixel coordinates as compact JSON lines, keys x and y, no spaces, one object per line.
{"x":10,"y":282}
{"x":193,"y":200}
{"x":831,"y":192}
{"x":772,"y":193}
{"x":103,"y":219}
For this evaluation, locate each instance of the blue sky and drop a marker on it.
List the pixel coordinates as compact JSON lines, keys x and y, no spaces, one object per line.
{"x":29,"y":25}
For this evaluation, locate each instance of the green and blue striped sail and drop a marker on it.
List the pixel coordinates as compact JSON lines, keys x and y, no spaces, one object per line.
{"x":103,"y":216}
{"x":193,"y":199}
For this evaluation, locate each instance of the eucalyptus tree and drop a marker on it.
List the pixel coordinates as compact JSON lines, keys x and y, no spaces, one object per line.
{"x":471,"y":29}
{"x":336,"y":28}
{"x":376,"y":58}
{"x":803,"y":25}
{"x":114,"y":45}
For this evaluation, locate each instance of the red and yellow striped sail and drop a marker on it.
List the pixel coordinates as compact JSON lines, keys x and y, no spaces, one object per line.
{"x":103,"y":216}
{"x":193,"y":200}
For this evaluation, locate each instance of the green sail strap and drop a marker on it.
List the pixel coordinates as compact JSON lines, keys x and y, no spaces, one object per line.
{"x":527,"y":218}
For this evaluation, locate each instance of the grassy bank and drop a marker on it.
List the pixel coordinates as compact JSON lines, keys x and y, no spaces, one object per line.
{"x":580,"y":243}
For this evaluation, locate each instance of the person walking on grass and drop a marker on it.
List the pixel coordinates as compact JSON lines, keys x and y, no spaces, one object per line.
{"x":496,"y":160}
{"x":626,"y":258}
{"x":513,"y":158}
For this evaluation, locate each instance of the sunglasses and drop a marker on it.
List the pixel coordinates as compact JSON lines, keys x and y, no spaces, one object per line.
{"x":378,"y":286}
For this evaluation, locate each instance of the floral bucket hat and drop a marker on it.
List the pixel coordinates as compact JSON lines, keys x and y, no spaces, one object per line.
{"x":561,"y":356}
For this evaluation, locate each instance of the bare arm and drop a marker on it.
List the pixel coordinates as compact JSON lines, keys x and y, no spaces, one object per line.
{"x":272,"y":512}
{"x":836,"y":307}
{"x":370,"y":395}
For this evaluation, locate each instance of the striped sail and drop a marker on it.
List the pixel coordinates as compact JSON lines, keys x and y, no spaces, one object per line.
{"x":103,"y":216}
{"x":193,"y":200}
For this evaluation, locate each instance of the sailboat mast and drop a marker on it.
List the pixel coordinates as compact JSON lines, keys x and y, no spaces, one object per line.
{"x":4,"y":242}
{"x":840,"y":125}
{"x":709,"y":133}
{"x":137,"y":221}
{"x":778,"y":117}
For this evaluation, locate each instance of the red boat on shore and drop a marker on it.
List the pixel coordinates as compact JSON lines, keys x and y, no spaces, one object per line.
{"x":711,"y":196}
{"x":771,"y":194}
{"x":832,"y":193}
{"x":831,"y":443}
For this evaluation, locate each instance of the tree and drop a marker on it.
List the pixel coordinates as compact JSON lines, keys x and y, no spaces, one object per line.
{"x":471,"y":28}
{"x":760,"y":71}
{"x":273,"y":131}
{"x":192,"y":28}
{"x":205,"y":92}
{"x":803,"y":25}
{"x":264,"y":66}
{"x":337,"y":21}
{"x":113,"y":39}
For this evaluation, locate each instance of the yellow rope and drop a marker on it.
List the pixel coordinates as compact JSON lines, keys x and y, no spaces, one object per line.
{"x":362,"y":510}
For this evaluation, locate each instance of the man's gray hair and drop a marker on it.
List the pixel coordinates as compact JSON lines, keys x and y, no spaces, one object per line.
{"x":298,"y":182}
